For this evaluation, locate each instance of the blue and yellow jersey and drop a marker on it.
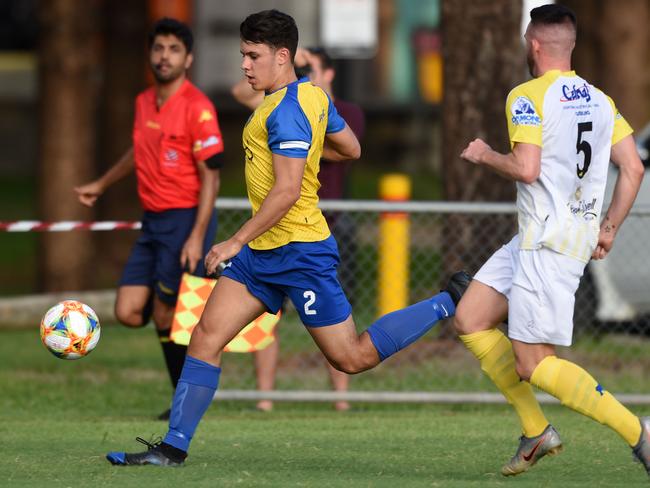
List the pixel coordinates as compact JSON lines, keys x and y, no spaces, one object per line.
{"x":291,"y":122}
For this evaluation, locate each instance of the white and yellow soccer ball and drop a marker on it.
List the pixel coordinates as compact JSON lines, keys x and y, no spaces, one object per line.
{"x":70,"y":329}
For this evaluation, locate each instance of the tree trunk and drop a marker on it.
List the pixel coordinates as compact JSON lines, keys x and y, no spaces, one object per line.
{"x":125,"y":67}
{"x":586,"y":59}
{"x":612,"y":52}
{"x":484,"y":58}
{"x":69,"y":48}
{"x":626,"y":54}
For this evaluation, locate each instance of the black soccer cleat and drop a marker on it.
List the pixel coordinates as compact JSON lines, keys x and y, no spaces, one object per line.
{"x":457,"y":285}
{"x":157,"y":454}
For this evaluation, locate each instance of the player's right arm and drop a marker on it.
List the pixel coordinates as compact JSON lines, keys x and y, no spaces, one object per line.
{"x":524,"y":117}
{"x":89,"y":192}
{"x":630,"y":175}
{"x":522,"y":164}
{"x":288,"y":173}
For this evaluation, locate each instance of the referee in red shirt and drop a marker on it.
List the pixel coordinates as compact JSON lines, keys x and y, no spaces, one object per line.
{"x":176,"y":153}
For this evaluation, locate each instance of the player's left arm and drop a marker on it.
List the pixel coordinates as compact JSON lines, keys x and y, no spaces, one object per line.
{"x":192,"y":251}
{"x":341,"y":146}
{"x":630,"y":175}
{"x":522,"y":164}
{"x":283,"y":195}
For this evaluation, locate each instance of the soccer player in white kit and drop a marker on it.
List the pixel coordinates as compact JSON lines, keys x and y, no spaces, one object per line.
{"x":563,"y":132}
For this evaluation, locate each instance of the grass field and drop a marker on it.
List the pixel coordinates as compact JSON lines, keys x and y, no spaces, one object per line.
{"x":59,"y":418}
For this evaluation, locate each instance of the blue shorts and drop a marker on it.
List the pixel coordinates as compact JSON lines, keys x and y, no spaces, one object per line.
{"x":303,"y":271}
{"x":155,"y":260}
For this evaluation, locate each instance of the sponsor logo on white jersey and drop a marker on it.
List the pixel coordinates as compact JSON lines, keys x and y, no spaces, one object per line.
{"x":584,"y":208}
{"x":575,"y":93}
{"x":523,"y":112}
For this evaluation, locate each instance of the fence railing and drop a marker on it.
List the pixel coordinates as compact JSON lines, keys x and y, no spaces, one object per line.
{"x":446,"y":236}
{"x":612,"y":330}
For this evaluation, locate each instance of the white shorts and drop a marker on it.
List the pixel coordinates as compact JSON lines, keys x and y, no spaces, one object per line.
{"x":540,"y":286}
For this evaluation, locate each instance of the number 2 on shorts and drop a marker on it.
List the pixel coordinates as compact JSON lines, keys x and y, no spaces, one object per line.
{"x":311,"y":298}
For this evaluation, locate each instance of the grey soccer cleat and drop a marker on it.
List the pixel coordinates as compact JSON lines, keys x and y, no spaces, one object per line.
{"x":642,"y":449}
{"x":457,"y":285}
{"x":531,"y":450}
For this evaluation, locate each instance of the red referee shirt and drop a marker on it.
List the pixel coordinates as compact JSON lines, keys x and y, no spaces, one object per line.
{"x":168,"y":143}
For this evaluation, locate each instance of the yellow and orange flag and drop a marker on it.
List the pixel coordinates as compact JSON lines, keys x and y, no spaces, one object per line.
{"x":192,"y":296}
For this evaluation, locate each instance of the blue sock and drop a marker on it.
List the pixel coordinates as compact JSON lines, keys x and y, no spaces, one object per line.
{"x":396,"y":330}
{"x":194,"y":393}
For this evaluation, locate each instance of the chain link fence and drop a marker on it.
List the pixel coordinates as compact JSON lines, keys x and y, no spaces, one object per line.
{"x":612,"y":319}
{"x":442,"y":238}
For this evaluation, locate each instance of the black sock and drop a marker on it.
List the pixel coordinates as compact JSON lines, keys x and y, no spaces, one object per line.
{"x":174,"y":355}
{"x":147,"y":310}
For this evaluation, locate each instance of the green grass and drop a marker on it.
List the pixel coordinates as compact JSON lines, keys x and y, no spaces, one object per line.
{"x":59,"y":418}
{"x":433,"y":446}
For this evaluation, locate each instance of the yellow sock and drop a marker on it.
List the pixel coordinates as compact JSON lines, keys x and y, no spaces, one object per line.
{"x":494,"y":351}
{"x":576,"y":389}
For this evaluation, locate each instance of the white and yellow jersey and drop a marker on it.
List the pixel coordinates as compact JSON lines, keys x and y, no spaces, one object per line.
{"x":576,"y":125}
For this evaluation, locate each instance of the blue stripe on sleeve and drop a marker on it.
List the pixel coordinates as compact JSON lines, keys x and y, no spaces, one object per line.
{"x":288,"y":127}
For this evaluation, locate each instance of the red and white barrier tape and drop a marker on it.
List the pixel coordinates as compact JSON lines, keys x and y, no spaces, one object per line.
{"x":65,"y":225}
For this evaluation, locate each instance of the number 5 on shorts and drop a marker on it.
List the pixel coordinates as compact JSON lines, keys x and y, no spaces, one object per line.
{"x":311,"y":298}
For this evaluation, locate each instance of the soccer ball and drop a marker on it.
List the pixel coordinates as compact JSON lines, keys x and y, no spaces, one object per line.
{"x":70,"y":329}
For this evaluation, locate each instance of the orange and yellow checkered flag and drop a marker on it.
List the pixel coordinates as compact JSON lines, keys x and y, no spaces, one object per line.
{"x":192,"y":296}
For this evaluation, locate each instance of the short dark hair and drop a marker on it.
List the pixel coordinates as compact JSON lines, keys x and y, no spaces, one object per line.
{"x":271,"y":27}
{"x":168,"y":26}
{"x":325,"y":59}
{"x":553,"y":14}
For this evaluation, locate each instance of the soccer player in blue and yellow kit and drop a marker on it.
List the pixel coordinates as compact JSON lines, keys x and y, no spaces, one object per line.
{"x":285,"y":249}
